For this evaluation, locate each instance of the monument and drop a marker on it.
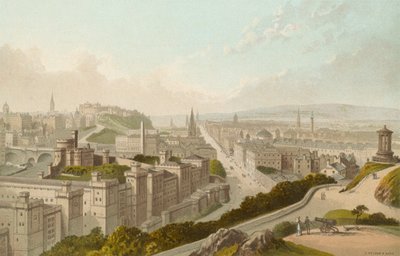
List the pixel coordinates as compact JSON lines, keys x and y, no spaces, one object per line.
{"x":385,"y":153}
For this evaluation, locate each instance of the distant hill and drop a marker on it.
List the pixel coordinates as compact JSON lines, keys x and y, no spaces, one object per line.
{"x":326,"y":111}
{"x":289,"y":112}
{"x":122,"y":124}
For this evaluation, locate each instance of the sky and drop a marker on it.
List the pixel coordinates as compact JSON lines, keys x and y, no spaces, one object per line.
{"x":163,"y":57}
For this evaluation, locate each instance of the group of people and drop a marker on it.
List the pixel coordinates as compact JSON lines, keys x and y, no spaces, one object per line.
{"x":306,"y":224}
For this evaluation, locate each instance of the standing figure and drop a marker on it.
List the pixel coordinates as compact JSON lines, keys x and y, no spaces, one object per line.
{"x":299,"y":227}
{"x":307,"y":223}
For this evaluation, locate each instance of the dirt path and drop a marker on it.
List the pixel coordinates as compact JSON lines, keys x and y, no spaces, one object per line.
{"x":366,"y":241}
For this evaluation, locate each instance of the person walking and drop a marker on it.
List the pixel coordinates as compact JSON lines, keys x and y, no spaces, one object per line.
{"x":299,"y":233}
{"x":307,"y":224}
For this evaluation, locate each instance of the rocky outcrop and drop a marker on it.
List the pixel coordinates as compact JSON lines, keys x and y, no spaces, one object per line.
{"x":219,"y":240}
{"x":257,"y":242}
{"x":247,"y":245}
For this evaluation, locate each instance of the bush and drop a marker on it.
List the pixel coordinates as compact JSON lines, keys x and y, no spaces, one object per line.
{"x":217,"y":168}
{"x":147,"y":159}
{"x":379,"y":218}
{"x":284,"y":229}
{"x":266,"y":170}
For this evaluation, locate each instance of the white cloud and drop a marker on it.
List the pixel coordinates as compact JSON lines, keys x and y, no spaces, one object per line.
{"x":26,"y":85}
{"x":289,"y":21}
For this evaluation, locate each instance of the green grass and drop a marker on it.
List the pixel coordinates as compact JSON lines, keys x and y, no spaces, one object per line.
{"x":124,"y":123}
{"x":105,"y":136}
{"x":367,"y":169}
{"x":292,"y":249}
{"x":285,"y":248}
{"x":227,"y":251}
{"x":393,"y":230}
{"x":344,"y":217}
{"x":390,"y":183}
{"x":83,"y":173}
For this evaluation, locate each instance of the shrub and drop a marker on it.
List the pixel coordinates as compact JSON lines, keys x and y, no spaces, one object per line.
{"x":266,"y":170}
{"x":217,"y":168}
{"x":284,"y":229}
{"x":379,"y":218}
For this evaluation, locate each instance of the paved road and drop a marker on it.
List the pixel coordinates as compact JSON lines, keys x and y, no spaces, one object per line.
{"x":84,"y":139}
{"x":240,"y":186}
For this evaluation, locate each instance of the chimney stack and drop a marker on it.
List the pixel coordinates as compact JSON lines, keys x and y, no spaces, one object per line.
{"x":75,"y":137}
{"x":142,"y":138}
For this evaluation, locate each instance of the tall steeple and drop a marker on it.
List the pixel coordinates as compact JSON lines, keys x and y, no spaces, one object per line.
{"x":192,"y":125}
{"x":52,"y":105}
{"x":298,"y":125}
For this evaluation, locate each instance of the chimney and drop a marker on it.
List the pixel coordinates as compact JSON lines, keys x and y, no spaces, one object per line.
{"x":66,"y":186}
{"x":142,"y":138}
{"x":135,"y":166}
{"x":75,"y":137}
{"x":106,"y":156}
{"x":23,"y":196}
{"x":96,"y":176}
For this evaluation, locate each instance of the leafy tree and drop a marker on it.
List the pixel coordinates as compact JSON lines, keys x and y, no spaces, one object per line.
{"x":77,"y":246}
{"x":125,"y":241}
{"x":358,"y":211}
{"x":217,"y":168}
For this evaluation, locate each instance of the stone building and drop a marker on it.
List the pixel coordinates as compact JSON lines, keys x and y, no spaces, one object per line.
{"x":263,"y":155}
{"x":2,"y":146}
{"x":18,"y":122}
{"x":37,"y":213}
{"x":67,"y":153}
{"x":143,"y":142}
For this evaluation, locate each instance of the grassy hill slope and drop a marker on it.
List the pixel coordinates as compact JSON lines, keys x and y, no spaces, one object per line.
{"x":122,"y":124}
{"x":366,"y":170}
{"x":388,"y":190}
{"x":105,"y":136}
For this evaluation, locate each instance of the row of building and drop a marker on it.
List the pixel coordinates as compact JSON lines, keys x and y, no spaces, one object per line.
{"x":251,"y":154}
{"x":150,"y":142}
{"x":37,"y":213}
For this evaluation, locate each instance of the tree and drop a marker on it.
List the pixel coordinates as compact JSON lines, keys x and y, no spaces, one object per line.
{"x":358,"y":211}
{"x":125,"y":241}
{"x":217,"y":168}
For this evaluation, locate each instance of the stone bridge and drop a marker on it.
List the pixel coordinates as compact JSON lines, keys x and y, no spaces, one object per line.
{"x":22,"y":155}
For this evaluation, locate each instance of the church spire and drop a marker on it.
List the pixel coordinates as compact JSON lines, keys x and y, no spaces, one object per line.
{"x":192,"y":125}
{"x":52,"y":105}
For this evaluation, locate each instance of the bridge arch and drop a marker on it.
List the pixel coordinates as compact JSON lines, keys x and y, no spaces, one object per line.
{"x":45,"y":158}
{"x":12,"y":157}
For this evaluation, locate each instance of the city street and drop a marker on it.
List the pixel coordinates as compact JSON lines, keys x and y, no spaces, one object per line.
{"x":241,"y":184}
